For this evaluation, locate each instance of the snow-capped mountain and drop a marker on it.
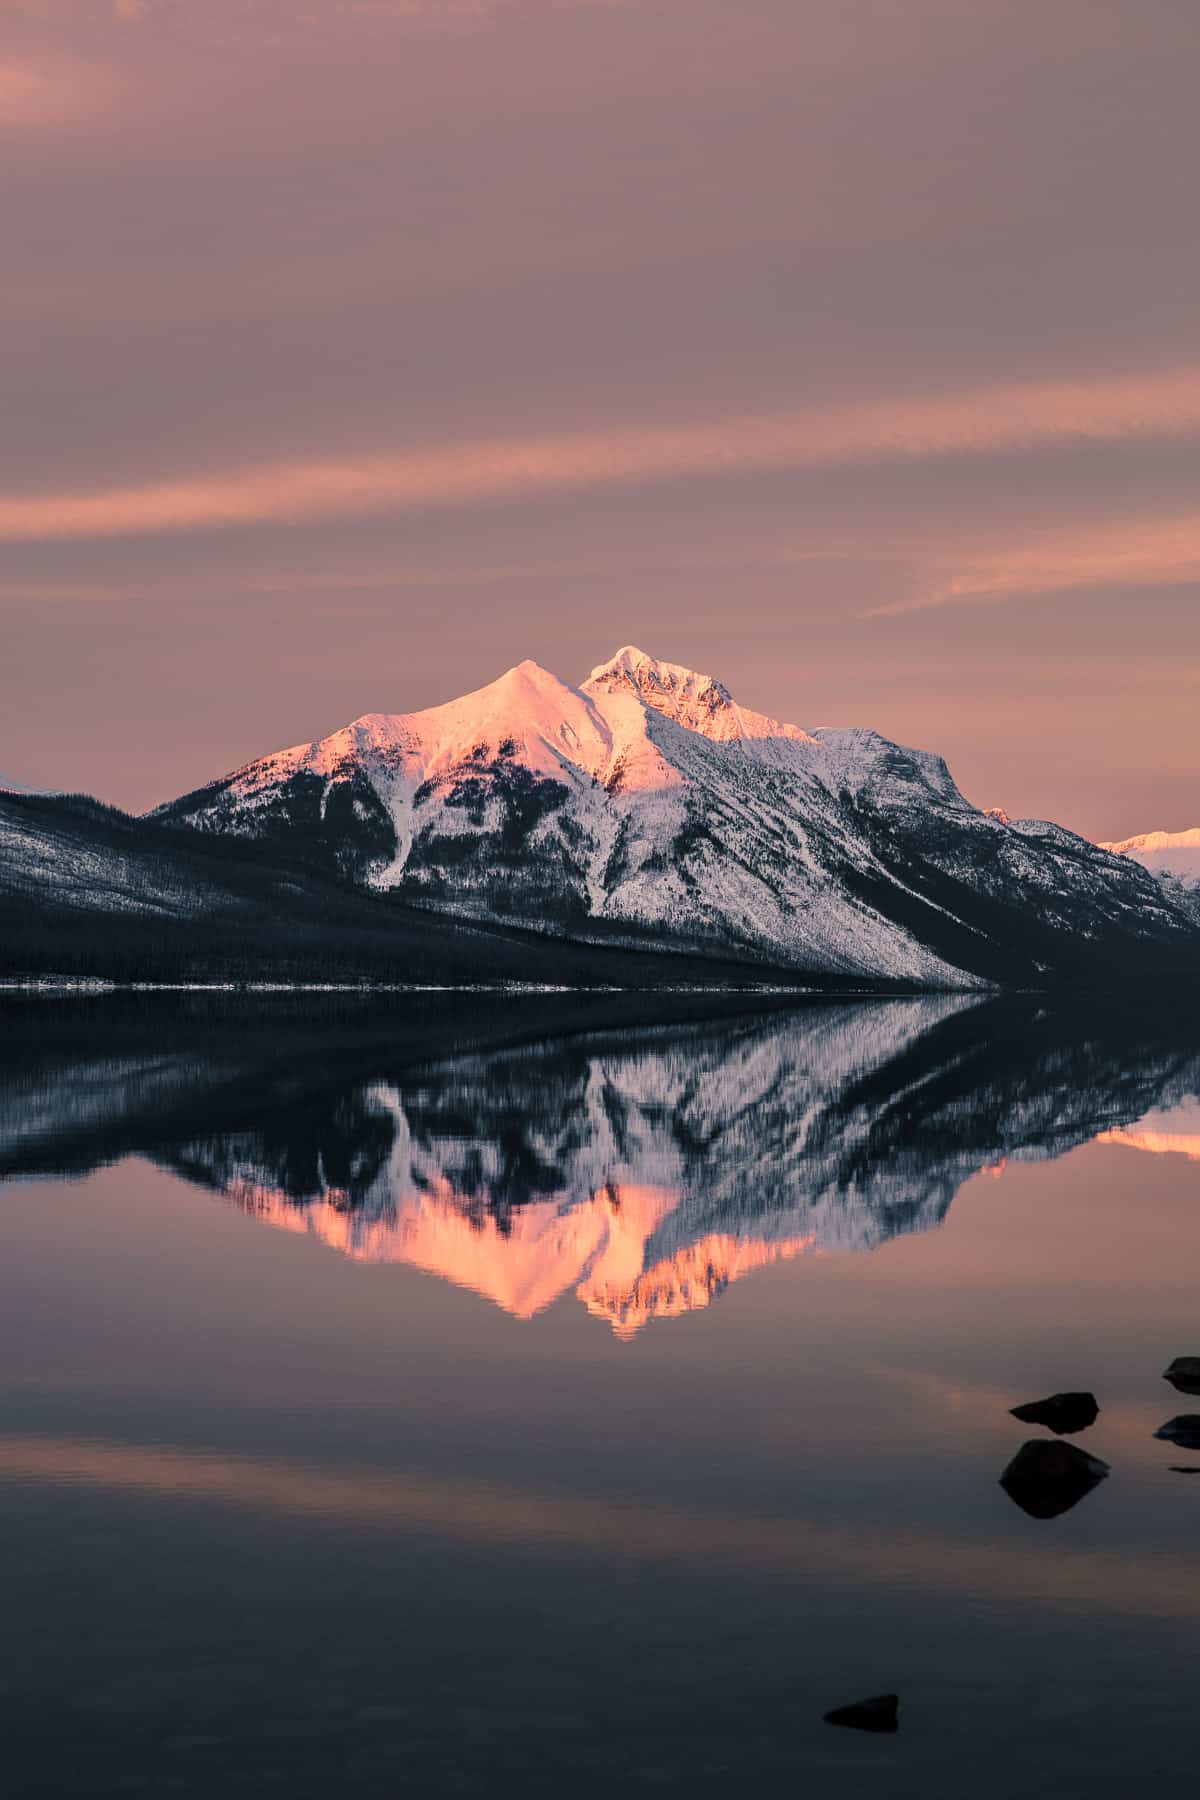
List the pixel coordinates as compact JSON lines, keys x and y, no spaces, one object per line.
{"x":1173,"y":854}
{"x":649,"y":800}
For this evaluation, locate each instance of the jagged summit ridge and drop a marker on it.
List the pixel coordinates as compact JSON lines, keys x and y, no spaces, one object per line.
{"x":650,"y":799}
{"x":698,"y":702}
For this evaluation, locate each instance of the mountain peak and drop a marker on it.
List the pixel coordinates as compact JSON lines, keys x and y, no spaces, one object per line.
{"x":522,"y":678}
{"x":649,"y":674}
{"x":528,"y":670}
{"x":698,"y":702}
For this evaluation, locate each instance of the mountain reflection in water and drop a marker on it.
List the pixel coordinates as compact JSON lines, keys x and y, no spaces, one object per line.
{"x":644,"y":1169}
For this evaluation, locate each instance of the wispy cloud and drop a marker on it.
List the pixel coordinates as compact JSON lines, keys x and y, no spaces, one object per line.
{"x":1163,"y":552}
{"x":972,"y":422}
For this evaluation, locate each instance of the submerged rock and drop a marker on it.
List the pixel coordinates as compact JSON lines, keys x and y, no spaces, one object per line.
{"x":1062,"y":1413}
{"x":879,"y":1713}
{"x":1045,"y":1479}
{"x":1184,"y":1374}
{"x":1184,"y":1431}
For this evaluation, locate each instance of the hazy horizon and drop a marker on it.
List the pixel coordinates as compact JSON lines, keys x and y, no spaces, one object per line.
{"x":848,"y":353}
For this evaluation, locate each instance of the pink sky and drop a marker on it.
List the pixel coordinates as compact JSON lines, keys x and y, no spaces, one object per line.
{"x":357,"y":349}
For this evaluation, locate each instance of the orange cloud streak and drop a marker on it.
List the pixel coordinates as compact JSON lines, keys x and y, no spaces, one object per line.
{"x":972,"y":422}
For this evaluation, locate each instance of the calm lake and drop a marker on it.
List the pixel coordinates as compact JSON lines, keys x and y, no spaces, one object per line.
{"x":427,"y":1395}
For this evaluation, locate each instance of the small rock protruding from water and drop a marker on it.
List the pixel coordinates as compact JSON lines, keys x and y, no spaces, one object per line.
{"x":1184,"y":1374}
{"x":880,"y":1713}
{"x":1046,"y":1478}
{"x":1061,"y":1413}
{"x":1184,"y":1431}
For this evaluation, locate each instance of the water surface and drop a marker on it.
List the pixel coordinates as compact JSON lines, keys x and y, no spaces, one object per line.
{"x":524,"y":1397}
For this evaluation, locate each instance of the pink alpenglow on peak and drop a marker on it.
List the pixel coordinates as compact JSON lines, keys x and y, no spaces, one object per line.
{"x":698,"y":702}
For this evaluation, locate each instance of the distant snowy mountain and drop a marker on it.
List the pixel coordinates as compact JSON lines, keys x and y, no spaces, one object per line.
{"x":649,"y":800}
{"x":1175,"y":854}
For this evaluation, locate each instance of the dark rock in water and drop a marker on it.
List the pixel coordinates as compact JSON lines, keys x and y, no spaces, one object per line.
{"x":1184,"y":1468}
{"x":879,"y":1713}
{"x":1045,"y":1478}
{"x":1063,"y":1413}
{"x":1184,"y":1431}
{"x":1184,"y":1374}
